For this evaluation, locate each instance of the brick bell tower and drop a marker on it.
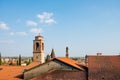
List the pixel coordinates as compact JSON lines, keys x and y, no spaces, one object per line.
{"x":38,"y":49}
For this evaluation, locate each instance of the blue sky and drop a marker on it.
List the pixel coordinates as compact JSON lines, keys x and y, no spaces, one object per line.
{"x":85,"y":26}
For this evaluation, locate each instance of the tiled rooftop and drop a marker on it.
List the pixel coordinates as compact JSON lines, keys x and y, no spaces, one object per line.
{"x":103,"y":67}
{"x":32,"y":64}
{"x":70,"y":62}
{"x":99,"y":68}
{"x":10,"y":72}
{"x":14,"y":72}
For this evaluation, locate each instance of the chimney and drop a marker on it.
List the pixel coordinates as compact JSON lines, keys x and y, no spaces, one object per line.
{"x":67,"y":55}
{"x":99,"y":54}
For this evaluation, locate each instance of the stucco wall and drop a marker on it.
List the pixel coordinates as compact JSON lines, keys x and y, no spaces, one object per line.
{"x":63,"y":75}
{"x":45,"y":68}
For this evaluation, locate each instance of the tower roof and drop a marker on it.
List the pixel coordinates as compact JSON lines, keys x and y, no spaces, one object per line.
{"x":38,"y":37}
{"x":52,"y":54}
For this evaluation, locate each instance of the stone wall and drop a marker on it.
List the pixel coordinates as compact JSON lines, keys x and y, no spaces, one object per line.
{"x":41,"y":69}
{"x":63,"y":75}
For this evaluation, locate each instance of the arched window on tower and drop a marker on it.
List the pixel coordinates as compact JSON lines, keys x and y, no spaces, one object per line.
{"x":42,"y":46}
{"x":37,"y":46}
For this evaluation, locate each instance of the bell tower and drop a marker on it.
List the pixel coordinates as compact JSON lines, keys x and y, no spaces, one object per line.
{"x":38,"y":49}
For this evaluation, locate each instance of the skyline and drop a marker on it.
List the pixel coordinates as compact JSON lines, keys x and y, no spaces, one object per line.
{"x":86,"y":27}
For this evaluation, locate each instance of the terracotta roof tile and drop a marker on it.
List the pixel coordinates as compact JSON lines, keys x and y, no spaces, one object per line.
{"x":104,"y":67}
{"x":11,"y":72}
{"x":32,"y":64}
{"x":14,"y":72}
{"x":70,"y":62}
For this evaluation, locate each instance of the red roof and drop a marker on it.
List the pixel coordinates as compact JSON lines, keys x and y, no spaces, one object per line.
{"x":67,"y":61}
{"x":10,"y":72}
{"x":14,"y":72}
{"x":103,"y":67}
{"x":32,"y":64}
{"x":70,"y":62}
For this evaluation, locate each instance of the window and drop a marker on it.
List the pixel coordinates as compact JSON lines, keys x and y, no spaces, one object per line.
{"x":37,"y":46}
{"x":42,"y":46}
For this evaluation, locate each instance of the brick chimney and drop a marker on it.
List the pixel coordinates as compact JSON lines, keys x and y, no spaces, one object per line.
{"x":67,"y":54}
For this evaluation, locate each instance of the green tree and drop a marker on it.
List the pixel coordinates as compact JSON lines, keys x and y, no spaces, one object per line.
{"x":17,"y":62}
{"x":31,"y":58}
{"x":47,"y":58}
{"x":28,"y":62}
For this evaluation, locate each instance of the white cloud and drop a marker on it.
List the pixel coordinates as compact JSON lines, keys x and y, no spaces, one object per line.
{"x":36,"y":30}
{"x":46,"y":18}
{"x":6,"y":42}
{"x":45,"y":15}
{"x":31,"y":23}
{"x":18,"y":33}
{"x":3,"y":26}
{"x":50,"y":21}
